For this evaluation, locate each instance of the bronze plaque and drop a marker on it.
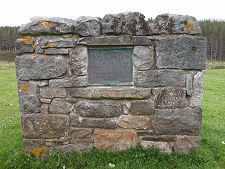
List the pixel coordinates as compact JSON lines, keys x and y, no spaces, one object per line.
{"x":110,"y":65}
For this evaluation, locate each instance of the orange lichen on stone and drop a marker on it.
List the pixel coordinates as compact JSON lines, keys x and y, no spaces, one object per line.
{"x":32,"y":54}
{"x":39,"y":152}
{"x":24,"y":88}
{"x":46,"y":57}
{"x":46,"y":24}
{"x":54,"y":44}
{"x":167,"y":35}
{"x":142,"y":74}
{"x":49,"y":45}
{"x":190,"y":26}
{"x":151,"y":57}
{"x":33,"y":47}
{"x":27,"y":40}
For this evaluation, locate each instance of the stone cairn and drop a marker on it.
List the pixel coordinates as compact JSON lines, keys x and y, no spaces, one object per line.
{"x":62,"y":111}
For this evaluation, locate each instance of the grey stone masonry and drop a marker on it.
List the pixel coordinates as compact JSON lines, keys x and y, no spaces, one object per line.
{"x":111,"y":83}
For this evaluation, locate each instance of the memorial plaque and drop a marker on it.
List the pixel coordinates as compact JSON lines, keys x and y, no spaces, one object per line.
{"x":110,"y":65}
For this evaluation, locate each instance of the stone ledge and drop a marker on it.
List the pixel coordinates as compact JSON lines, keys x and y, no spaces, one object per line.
{"x":124,"y":40}
{"x":109,"y":92}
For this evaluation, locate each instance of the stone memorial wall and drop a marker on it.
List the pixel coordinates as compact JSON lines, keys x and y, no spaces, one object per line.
{"x":111,"y":83}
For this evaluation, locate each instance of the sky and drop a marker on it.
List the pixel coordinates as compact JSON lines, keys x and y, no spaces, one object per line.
{"x":18,"y":12}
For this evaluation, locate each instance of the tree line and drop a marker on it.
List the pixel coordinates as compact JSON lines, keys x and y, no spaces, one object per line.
{"x":8,"y":36}
{"x":213,"y":30}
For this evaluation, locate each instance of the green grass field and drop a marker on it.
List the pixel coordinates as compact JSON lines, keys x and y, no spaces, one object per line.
{"x":210,"y":155}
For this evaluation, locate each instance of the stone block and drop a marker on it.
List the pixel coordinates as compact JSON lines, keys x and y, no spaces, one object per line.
{"x":74,"y":119}
{"x":175,"y":24}
{"x":78,"y":145}
{"x":162,"y":146}
{"x":60,"y":106}
{"x":80,"y":132}
{"x":171,"y":97}
{"x":110,"y":92}
{"x":44,"y":108}
{"x":134,"y":122}
{"x":115,"y":139}
{"x":78,"y":61}
{"x":130,"y":23}
{"x":105,"y":123}
{"x":39,"y":67}
{"x":76,"y":81}
{"x":115,"y":41}
{"x":189,"y":85}
{"x":39,"y":126}
{"x":143,"y":57}
{"x":56,"y":51}
{"x":32,"y":144}
{"x":98,"y":109}
{"x":145,"y":132}
{"x":48,"y":92}
{"x":187,"y":144}
{"x":141,"y":107}
{"x":87,"y":26}
{"x":56,"y":42}
{"x":157,"y":78}
{"x":28,"y":97}
{"x":44,"y":25}
{"x":182,"y":52}
{"x":178,"y":121}
{"x":197,"y":96}
{"x":25,"y":45}
{"x":43,"y":100}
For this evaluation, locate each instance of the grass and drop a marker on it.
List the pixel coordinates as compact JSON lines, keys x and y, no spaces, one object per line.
{"x":210,"y":155}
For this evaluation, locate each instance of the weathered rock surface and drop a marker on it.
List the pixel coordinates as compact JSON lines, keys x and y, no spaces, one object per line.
{"x":78,"y":145}
{"x":197,"y":96}
{"x":79,"y":60}
{"x":187,"y":144}
{"x":32,"y":144}
{"x":87,"y":26}
{"x":44,"y":25}
{"x":39,"y":126}
{"x":115,"y":139}
{"x":25,"y":45}
{"x":184,"y":52}
{"x":135,"y":122}
{"x":130,"y":23}
{"x":56,"y":42}
{"x":162,"y":138}
{"x":75,"y":81}
{"x":60,"y":106}
{"x":98,"y":108}
{"x":115,"y":41}
{"x":80,"y":133}
{"x":171,"y":97}
{"x":141,"y":107}
{"x":143,"y":57}
{"x":48,"y":92}
{"x":57,"y":51}
{"x":39,"y":67}
{"x":28,"y":97}
{"x":175,"y":24}
{"x":178,"y":121}
{"x":105,"y":123}
{"x":110,"y":92}
{"x":156,"y":78}
{"x":162,"y":146}
{"x":189,"y":84}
